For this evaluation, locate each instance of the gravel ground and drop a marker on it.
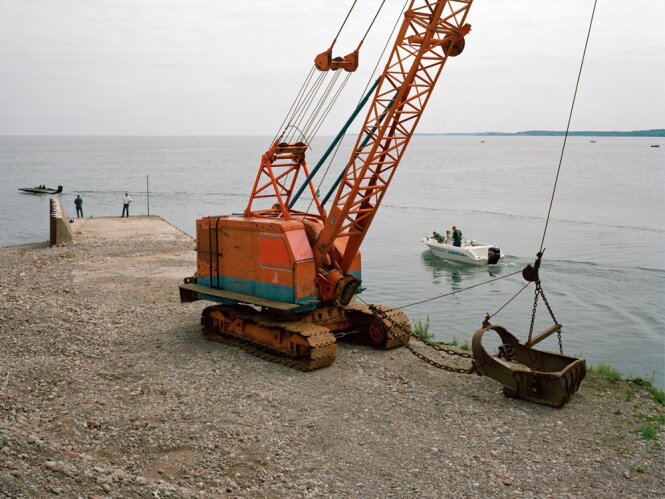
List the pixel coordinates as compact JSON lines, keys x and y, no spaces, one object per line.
{"x":108,"y":389}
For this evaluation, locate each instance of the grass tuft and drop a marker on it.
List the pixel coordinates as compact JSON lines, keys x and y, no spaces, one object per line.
{"x":462,"y":345}
{"x":653,"y":426}
{"x":421,"y":329}
{"x":657,"y":394}
{"x":648,"y":432}
{"x":607,"y":372}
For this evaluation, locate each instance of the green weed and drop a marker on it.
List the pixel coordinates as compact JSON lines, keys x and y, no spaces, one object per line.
{"x":462,"y":345}
{"x":657,"y":394}
{"x":648,"y":432}
{"x":607,"y":372}
{"x":421,"y":329}
{"x":653,"y":426}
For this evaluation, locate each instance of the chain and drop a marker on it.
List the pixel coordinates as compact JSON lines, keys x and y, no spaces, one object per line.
{"x":533,"y":313}
{"x":434,"y":346}
{"x":549,"y":308}
{"x":460,"y":370}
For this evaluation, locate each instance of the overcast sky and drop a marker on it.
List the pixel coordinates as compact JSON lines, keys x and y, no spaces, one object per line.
{"x":221,"y":67}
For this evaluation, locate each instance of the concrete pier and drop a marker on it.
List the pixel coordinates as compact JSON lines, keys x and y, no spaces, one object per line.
{"x":60,"y":232}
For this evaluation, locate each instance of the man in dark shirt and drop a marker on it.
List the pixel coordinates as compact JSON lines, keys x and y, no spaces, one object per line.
{"x":457,"y":237}
{"x":79,"y":206}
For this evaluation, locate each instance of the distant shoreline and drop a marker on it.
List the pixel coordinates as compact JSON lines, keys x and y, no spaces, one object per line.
{"x":658,"y":132}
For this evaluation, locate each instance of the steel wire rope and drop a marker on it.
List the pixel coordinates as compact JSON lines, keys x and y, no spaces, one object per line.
{"x":311,"y":71}
{"x":332,"y":102}
{"x":376,"y":66}
{"x":373,"y":72}
{"x":563,"y":148}
{"x":372,"y":23}
{"x":322,"y":119}
{"x":321,"y":103}
{"x":570,"y":116}
{"x":303,"y":103}
{"x":506,"y":304}
{"x":345,"y":19}
{"x":449,"y":294}
{"x":302,"y":88}
{"x":306,"y":102}
{"x":294,"y":117}
{"x":309,"y":116}
{"x":313,"y":99}
{"x":314,"y":115}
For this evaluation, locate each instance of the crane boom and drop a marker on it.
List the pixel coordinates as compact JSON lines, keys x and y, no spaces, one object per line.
{"x":432,"y":31}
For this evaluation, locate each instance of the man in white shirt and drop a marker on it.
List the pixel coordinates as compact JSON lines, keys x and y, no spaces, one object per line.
{"x":125,"y":204}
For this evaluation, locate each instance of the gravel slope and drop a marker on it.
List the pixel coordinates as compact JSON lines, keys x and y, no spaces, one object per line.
{"x":108,"y":389}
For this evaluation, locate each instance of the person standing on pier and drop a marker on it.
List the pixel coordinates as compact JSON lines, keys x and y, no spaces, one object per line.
{"x":125,"y":204}
{"x":79,"y":206}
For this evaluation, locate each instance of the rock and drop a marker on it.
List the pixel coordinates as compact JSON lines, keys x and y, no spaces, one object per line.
{"x":120,"y":474}
{"x":6,"y":478}
{"x":51,"y":465}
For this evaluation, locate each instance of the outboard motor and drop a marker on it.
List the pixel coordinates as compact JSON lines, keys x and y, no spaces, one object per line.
{"x":493,"y":255}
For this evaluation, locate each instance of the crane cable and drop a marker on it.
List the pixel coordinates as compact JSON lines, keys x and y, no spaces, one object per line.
{"x":300,"y":99}
{"x":316,"y":119}
{"x":345,"y":19}
{"x":448,"y":294}
{"x":369,"y":81}
{"x":293,"y":104}
{"x":570,"y":116}
{"x":579,"y":75}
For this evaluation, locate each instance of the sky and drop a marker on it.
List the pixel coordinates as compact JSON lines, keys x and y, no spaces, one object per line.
{"x":221,"y":67}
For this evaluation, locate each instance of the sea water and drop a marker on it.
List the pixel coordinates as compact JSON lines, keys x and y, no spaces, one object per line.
{"x":603,"y":270}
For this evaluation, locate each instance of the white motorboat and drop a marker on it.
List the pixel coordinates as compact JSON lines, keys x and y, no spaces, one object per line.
{"x":473,"y":252}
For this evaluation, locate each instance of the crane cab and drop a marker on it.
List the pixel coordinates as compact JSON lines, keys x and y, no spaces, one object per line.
{"x":257,"y":260}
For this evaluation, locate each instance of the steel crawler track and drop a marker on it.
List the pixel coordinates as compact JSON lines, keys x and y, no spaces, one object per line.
{"x":299,"y":345}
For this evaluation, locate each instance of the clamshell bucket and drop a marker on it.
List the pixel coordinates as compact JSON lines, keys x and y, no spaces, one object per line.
{"x":534,"y":375}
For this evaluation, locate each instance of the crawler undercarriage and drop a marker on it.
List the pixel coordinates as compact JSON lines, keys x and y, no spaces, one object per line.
{"x":304,"y":342}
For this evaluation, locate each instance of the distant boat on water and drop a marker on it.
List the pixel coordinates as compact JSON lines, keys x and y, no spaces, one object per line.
{"x":593,"y":141}
{"x":655,"y":145}
{"x":40,"y":189}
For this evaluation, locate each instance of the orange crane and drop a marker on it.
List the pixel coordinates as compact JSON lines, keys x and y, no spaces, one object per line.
{"x":283,"y":279}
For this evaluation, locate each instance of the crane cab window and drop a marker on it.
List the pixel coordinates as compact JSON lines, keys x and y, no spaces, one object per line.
{"x":274,"y":252}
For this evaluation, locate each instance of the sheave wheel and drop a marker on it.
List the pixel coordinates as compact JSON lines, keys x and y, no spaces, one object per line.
{"x":377,"y":334}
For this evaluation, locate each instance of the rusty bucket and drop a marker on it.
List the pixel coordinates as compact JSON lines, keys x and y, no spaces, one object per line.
{"x":526,"y":373}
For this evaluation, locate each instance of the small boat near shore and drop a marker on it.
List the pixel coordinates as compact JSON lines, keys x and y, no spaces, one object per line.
{"x":473,"y":252}
{"x":40,"y":189}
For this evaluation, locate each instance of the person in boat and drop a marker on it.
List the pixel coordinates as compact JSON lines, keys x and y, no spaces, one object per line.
{"x":457,"y":237}
{"x":125,"y":204}
{"x":448,"y":238}
{"x":79,"y":206}
{"x":437,"y":237}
